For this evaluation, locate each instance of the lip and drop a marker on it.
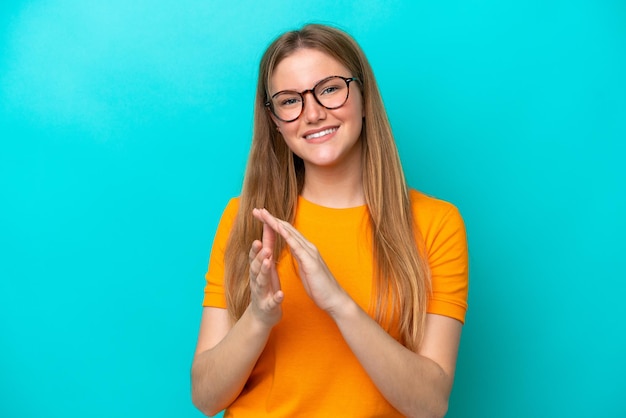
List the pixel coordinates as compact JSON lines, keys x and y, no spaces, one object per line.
{"x":322,"y":138}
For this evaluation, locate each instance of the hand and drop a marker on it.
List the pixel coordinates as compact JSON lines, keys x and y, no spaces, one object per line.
{"x":265,"y":293}
{"x":317,"y":279}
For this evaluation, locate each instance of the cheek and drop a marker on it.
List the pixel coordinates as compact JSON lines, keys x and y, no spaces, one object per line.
{"x":287,"y":130}
{"x":359,"y":127}
{"x":357,"y":106}
{"x":356,"y":116}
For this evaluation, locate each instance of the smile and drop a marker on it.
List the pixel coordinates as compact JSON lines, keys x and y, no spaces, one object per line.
{"x":321,"y":133}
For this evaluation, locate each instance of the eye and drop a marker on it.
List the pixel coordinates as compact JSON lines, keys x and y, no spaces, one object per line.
{"x":287,"y":99}
{"x":330,"y":89}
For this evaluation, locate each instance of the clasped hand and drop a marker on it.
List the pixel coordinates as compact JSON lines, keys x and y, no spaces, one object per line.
{"x":266,"y":294}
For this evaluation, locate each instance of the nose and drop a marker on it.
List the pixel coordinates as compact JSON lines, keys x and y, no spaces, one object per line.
{"x":312,"y":111}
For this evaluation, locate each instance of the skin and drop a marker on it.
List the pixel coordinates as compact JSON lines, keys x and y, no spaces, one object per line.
{"x":418,"y":384}
{"x":332,"y":162}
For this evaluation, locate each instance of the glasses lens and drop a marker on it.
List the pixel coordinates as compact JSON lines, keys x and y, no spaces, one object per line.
{"x":332,"y":92}
{"x":287,"y":105}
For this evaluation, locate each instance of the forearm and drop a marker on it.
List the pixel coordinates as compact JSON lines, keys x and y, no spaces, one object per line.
{"x":219,"y":374}
{"x":415,"y":385}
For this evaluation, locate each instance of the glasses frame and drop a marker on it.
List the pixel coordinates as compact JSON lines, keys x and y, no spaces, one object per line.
{"x":348,"y":80}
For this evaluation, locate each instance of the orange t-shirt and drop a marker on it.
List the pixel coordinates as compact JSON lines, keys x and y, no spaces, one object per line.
{"x":306,"y":368}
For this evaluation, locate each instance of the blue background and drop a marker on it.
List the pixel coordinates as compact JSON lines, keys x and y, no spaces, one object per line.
{"x":125,"y":127}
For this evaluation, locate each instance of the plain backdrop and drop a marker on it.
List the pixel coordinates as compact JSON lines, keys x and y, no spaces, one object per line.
{"x":125,"y":128}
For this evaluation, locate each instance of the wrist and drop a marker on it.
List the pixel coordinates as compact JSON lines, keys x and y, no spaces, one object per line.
{"x":345,"y":308}
{"x":259,"y":325}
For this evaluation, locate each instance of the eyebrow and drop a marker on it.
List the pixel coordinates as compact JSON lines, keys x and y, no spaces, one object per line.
{"x":315,"y":84}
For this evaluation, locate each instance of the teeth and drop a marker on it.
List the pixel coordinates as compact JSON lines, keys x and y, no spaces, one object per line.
{"x":321,"y":133}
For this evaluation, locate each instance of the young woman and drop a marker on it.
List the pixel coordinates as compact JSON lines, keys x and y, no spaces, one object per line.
{"x":333,"y":289}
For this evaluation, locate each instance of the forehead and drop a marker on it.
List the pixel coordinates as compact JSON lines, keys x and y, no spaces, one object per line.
{"x":303,"y":68}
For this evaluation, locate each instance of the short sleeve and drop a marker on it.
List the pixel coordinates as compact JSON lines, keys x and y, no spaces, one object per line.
{"x":214,"y":294}
{"x":445,"y":243}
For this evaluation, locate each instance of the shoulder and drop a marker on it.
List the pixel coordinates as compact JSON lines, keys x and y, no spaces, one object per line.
{"x":227,"y":218}
{"x":231,"y":209}
{"x":232,"y":205}
{"x":438,"y":222}
{"x":428,"y":209}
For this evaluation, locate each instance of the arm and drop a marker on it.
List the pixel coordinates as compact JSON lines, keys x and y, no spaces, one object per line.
{"x":225,"y":354}
{"x":418,"y":384}
{"x":224,"y":358}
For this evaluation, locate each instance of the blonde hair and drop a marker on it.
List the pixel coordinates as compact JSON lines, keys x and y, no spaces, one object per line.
{"x":402,"y":282}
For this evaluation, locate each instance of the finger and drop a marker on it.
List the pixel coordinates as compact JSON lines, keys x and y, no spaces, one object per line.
{"x":294,"y":239}
{"x":266,"y":217}
{"x":284,"y":229}
{"x":269,"y":237}
{"x":254,"y":249}
{"x":273,"y":302}
{"x":274,"y":280}
{"x":257,"y":262}
{"x":258,"y":284}
{"x":269,"y":234}
{"x":263,"y":278}
{"x":278,"y":297}
{"x":297,"y":235}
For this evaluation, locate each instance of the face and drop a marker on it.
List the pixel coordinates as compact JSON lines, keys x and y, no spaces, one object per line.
{"x":321,"y":137}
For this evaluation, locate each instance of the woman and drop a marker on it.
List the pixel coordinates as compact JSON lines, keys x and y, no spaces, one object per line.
{"x":333,"y":289}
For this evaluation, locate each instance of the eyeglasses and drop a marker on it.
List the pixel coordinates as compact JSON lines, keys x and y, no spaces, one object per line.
{"x":331,"y":93}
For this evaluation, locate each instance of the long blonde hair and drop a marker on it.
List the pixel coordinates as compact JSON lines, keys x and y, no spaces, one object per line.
{"x":402,"y":282}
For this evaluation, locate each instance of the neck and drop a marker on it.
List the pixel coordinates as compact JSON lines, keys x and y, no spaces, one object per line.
{"x":334,"y":187}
